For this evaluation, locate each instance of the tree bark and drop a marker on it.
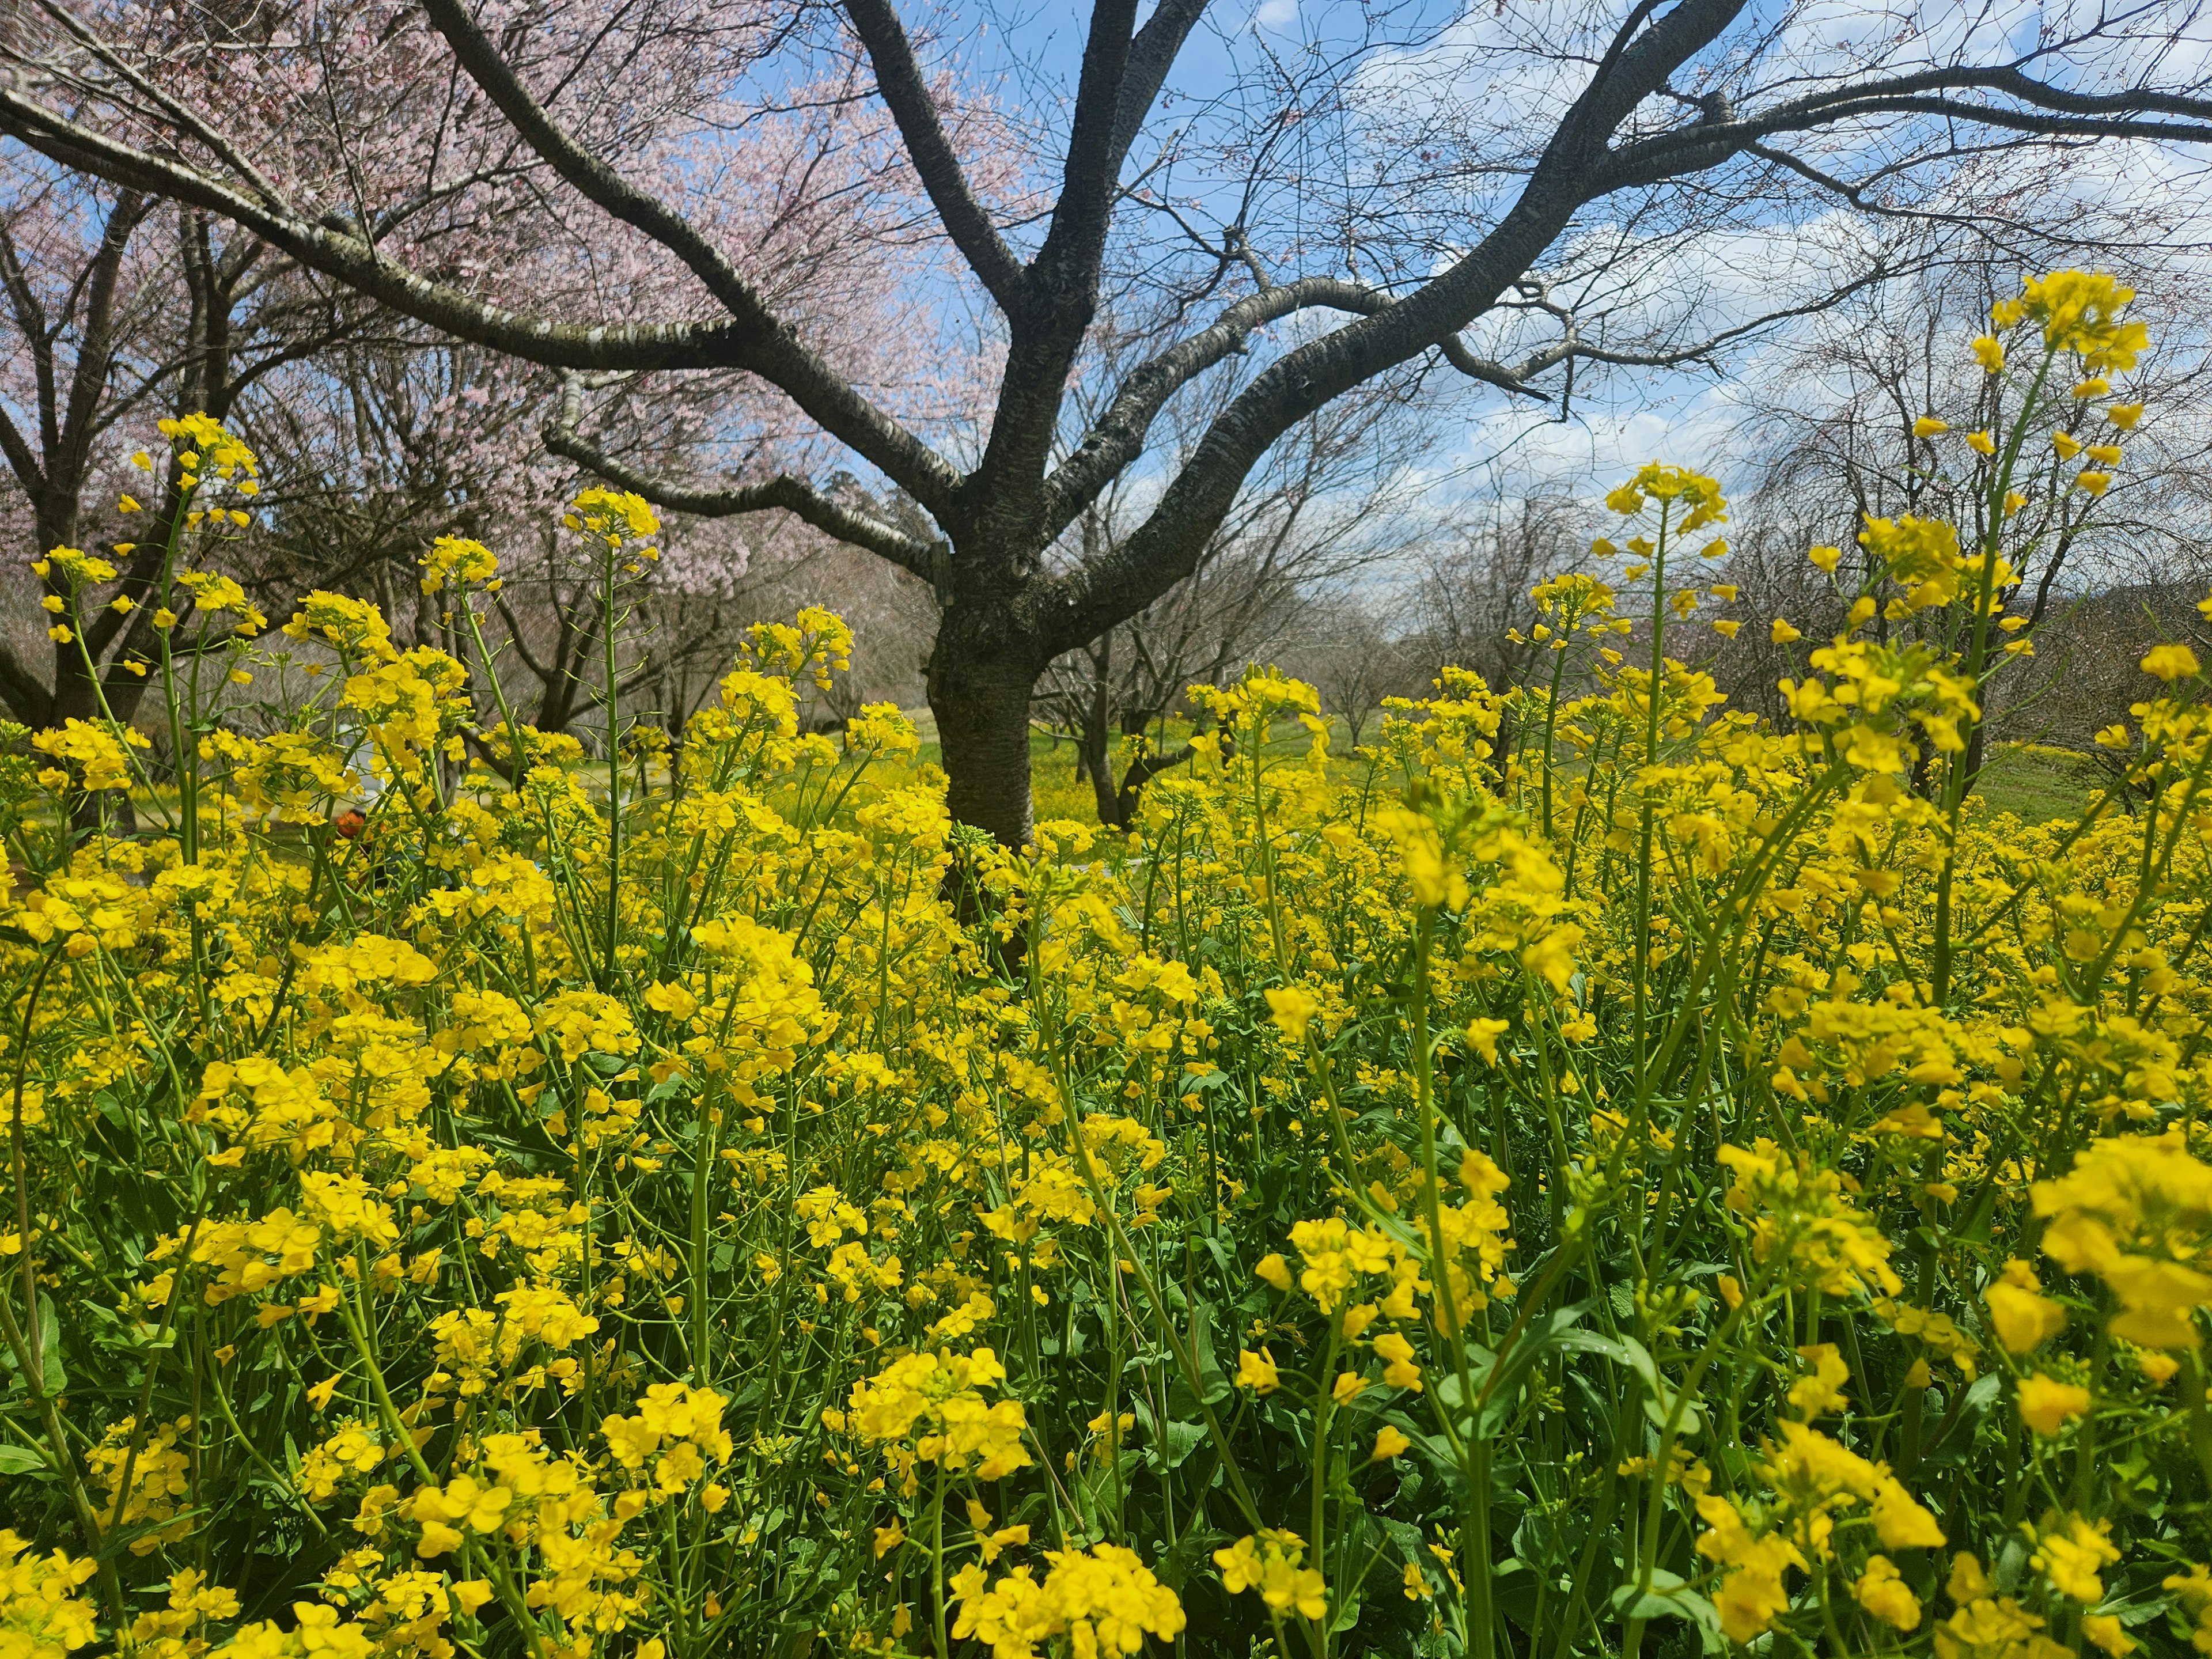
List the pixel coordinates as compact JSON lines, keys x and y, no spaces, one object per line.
{"x":1098,"y":762}
{"x":980,"y":675}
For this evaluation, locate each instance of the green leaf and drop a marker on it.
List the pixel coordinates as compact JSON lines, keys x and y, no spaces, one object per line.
{"x":1180,"y":1441}
{"x":1213,"y":1381}
{"x":1668,"y":1597}
{"x":55,"y":1379}
{"x":1956,"y":1438}
{"x":1502,"y":1376}
{"x":21,"y":1460}
{"x":1659,"y":1398}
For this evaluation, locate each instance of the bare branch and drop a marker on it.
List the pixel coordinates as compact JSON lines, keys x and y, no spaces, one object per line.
{"x":2051,"y":113}
{"x":1118,"y":437}
{"x":899,"y":79}
{"x":792,"y":496}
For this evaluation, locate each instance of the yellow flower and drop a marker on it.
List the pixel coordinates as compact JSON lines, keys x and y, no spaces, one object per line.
{"x":1900,"y":1520}
{"x":2071,"y":1552}
{"x":1656,"y":481}
{"x":1822,"y":1391}
{"x":1927,"y":426}
{"x":1988,"y":352}
{"x":461,"y":563}
{"x":1388,"y":1443}
{"x":1482,"y":1035}
{"x":1882,"y":1593}
{"x":2170,"y":662}
{"x":2022,"y":1316}
{"x":1782,"y":634}
{"x":2079,"y":312}
{"x":1752,"y":1592}
{"x":1399,"y":1370}
{"x":2047,"y":1405}
{"x":1293,"y":1009}
{"x":1257,"y":1372}
{"x":2104,"y":1630}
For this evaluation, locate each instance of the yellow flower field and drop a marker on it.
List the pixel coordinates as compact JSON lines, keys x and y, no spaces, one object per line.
{"x":1592,"y":1174}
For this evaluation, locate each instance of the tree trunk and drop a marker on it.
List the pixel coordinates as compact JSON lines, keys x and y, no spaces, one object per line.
{"x":1142,"y":770}
{"x":1102,"y":779}
{"x":979,"y":684}
{"x":1096,"y":745}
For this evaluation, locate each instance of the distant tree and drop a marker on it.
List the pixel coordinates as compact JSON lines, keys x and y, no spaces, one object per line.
{"x":1474,"y":577}
{"x":1355,"y":659}
{"x":1832,"y":425}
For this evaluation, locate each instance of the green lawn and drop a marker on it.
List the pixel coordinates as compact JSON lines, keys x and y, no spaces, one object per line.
{"x":2037,"y":782}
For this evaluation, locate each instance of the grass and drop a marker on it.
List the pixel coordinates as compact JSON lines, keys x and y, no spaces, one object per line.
{"x":1056,"y":791}
{"x":2038,"y":783}
{"x":2033,"y":781}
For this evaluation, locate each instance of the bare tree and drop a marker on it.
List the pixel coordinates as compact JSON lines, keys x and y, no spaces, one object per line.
{"x":1472,"y":599}
{"x":1345,"y":647}
{"x":1832,"y":439}
{"x":1388,"y":211}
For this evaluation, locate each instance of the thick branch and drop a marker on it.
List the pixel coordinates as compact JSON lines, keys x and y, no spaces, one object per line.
{"x":336,"y":251}
{"x":186,"y":119}
{"x":1164,"y":549}
{"x":1152,"y":55}
{"x":776,"y":353}
{"x":37,"y":340}
{"x":592,"y":178}
{"x":96,"y":348}
{"x":899,"y":79}
{"x":339,"y":253}
{"x":1118,"y":438}
{"x":26,"y":695}
{"x":2051,"y":112}
{"x":794,"y":495}
{"x":1061,"y":294}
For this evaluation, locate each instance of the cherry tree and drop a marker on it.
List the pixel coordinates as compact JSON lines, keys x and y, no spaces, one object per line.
{"x":380,"y":439}
{"x":1486,"y":197}
{"x":120,"y":309}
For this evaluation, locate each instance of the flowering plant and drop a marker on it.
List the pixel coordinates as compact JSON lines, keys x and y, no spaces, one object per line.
{"x":1592,"y":1171}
